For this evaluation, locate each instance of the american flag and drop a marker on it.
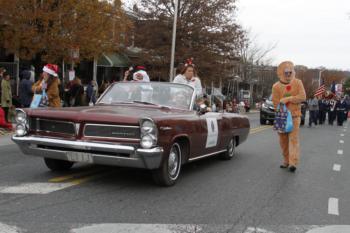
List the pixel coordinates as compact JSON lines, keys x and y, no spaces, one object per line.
{"x":320,"y":90}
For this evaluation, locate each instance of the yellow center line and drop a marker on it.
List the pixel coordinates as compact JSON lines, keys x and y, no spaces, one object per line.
{"x":75,"y":175}
{"x":260,"y":129}
{"x":89,"y":178}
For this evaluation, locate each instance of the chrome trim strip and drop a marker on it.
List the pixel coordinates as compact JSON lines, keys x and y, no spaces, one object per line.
{"x":207,"y":155}
{"x":126,"y":126}
{"x":108,"y":138}
{"x":113,"y":126}
{"x":75,"y":144}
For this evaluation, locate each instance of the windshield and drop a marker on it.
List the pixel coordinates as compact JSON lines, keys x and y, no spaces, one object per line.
{"x":164,"y":94}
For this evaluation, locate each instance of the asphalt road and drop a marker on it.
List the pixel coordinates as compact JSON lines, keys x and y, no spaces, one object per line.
{"x":248,"y":194}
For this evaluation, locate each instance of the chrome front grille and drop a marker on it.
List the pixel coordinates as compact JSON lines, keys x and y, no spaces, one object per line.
{"x":51,"y":126}
{"x":112,"y":131}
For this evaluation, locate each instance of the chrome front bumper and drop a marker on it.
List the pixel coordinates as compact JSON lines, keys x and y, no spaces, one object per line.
{"x":98,"y":153}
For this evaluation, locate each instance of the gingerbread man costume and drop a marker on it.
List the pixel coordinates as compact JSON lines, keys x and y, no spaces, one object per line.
{"x":290,"y":91}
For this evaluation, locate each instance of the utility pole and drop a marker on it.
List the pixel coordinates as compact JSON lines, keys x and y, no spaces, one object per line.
{"x":173,"y":44}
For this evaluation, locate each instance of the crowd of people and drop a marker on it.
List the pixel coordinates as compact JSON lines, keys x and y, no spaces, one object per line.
{"x":329,"y":106}
{"x":74,"y":94}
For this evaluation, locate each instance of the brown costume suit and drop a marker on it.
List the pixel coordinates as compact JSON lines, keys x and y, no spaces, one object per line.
{"x":290,"y":91}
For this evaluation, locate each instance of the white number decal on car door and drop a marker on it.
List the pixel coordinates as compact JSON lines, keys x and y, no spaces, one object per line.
{"x":212,"y":132}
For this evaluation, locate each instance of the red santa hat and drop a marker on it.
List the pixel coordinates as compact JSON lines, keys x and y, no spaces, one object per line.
{"x":51,"y":69}
{"x":140,"y":68}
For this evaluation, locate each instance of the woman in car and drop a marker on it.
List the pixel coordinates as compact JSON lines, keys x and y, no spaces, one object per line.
{"x":188,"y":76}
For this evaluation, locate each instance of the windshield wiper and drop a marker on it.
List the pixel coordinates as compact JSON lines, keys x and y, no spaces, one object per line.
{"x":149,"y":103}
{"x":143,"y":102}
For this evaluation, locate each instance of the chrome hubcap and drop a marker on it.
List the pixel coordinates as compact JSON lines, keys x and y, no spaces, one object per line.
{"x":173,"y":162}
{"x":231,"y":148}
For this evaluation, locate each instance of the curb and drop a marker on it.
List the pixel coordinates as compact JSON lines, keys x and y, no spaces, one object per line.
{"x":5,"y":132}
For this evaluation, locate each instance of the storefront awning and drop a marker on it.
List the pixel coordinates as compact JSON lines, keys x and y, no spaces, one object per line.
{"x":113,"y":60}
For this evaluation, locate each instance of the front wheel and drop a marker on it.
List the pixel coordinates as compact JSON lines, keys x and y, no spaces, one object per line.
{"x":58,"y":165}
{"x":169,"y":171}
{"x":231,"y":150}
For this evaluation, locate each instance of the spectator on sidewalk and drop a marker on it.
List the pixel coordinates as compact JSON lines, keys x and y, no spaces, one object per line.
{"x":2,"y":71}
{"x":25,"y":89}
{"x":49,"y":82}
{"x":313,"y":110}
{"x":92,"y":92}
{"x":105,"y":84}
{"x":6,"y":95}
{"x":76,"y":93}
{"x":289,"y":91}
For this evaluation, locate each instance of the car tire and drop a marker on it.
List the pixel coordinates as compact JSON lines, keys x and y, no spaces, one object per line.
{"x":169,"y":171}
{"x":58,"y":165}
{"x":230,"y":150}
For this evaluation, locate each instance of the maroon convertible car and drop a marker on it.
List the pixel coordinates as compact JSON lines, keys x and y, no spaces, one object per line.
{"x":156,"y":126}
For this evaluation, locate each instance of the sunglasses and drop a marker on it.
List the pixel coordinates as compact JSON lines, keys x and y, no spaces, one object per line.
{"x":288,"y":73}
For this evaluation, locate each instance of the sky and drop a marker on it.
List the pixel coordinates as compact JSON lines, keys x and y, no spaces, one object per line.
{"x":313,"y":33}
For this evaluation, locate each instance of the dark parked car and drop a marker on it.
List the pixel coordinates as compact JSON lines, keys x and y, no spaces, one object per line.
{"x":134,"y":124}
{"x":267,"y":111}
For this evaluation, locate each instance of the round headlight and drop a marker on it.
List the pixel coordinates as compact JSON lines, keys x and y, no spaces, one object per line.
{"x":147,"y":127}
{"x":21,"y":130}
{"x":21,"y":117}
{"x":147,"y":141}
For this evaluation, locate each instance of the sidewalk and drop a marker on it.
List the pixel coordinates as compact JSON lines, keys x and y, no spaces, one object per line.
{"x":5,"y":140}
{"x":4,"y":132}
{"x":5,"y":137}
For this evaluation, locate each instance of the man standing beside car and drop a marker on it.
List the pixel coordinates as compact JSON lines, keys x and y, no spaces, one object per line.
{"x":289,"y":91}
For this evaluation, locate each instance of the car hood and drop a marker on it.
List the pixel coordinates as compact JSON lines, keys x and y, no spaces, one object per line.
{"x":109,"y":113}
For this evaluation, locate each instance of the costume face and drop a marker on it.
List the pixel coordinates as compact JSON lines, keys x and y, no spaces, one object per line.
{"x":189,"y":73}
{"x":286,"y":72}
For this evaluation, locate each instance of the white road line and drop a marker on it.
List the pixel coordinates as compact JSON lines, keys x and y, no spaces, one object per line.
{"x":340,"y":152}
{"x":4,"y":228}
{"x":341,"y":141}
{"x":256,"y":230}
{"x":35,"y":188}
{"x":336,"y":167}
{"x":138,"y":228}
{"x":333,"y":206}
{"x":342,"y":135}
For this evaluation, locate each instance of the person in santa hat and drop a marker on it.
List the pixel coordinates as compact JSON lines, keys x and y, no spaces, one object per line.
{"x":49,"y":82}
{"x":140,"y":75}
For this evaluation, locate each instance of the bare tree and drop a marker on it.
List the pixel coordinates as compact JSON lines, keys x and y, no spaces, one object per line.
{"x":206,"y":31}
